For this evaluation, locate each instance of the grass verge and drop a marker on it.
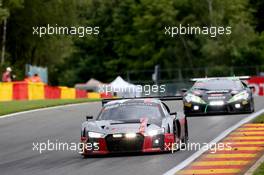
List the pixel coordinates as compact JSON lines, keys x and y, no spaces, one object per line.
{"x":260,"y":170}
{"x":18,"y":106}
{"x":259,"y":119}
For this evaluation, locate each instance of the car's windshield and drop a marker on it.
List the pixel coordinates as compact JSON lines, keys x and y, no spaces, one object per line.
{"x":218,"y":85}
{"x":130,"y":111}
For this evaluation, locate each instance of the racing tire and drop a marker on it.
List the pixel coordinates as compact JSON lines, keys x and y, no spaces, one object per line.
{"x":175,"y":133}
{"x":252,"y":106}
{"x":185,"y":139}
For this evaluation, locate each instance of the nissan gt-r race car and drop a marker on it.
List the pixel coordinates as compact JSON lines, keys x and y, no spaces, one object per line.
{"x":218,"y":95}
{"x":133,"y":125}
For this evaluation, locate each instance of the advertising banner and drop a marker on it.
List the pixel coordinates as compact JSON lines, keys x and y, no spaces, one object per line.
{"x":258,"y":83}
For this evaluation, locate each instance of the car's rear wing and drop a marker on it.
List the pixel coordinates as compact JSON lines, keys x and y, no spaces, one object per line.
{"x":161,"y":98}
{"x":213,"y":78}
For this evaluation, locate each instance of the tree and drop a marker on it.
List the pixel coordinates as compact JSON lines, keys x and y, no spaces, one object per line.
{"x":26,"y":48}
{"x":132,"y":37}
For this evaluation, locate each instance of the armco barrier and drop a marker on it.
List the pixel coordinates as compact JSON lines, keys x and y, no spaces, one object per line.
{"x":80,"y":93}
{"x":52,"y":92}
{"x":6,"y":91}
{"x":67,"y":93}
{"x":20,"y":91}
{"x":35,"y":91}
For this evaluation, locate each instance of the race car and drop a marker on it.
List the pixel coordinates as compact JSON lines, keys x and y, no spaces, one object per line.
{"x":133,"y":125}
{"x":218,"y":95}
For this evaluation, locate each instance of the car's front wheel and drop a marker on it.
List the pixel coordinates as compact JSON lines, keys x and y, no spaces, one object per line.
{"x":252,"y":106}
{"x":185,"y":139}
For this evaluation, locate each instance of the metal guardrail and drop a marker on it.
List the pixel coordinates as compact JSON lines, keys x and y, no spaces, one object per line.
{"x":179,"y":78}
{"x":184,"y":74}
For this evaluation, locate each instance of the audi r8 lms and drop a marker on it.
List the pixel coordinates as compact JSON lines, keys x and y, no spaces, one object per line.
{"x":133,"y":125}
{"x":218,"y":95}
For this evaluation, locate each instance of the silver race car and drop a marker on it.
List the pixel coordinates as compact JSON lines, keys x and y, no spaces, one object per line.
{"x":133,"y":125}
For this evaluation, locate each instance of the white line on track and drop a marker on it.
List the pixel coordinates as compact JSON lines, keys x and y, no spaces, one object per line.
{"x":217,"y":139}
{"x":44,"y":109}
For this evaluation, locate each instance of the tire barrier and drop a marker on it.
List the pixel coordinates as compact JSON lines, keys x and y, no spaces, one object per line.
{"x":94,"y":95}
{"x":39,"y":91}
{"x":80,"y":93}
{"x":36,"y":91}
{"x":20,"y":91}
{"x":6,"y":91}
{"x":52,"y":92}
{"x":67,"y":93}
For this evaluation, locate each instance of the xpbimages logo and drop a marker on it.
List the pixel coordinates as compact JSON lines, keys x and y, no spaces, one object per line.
{"x":64,"y":146}
{"x":80,"y":31}
{"x":212,"y":31}
{"x":141,"y":89}
{"x":212,"y":147}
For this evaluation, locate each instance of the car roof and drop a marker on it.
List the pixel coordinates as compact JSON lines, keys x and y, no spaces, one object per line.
{"x":136,"y":100}
{"x":216,"y":79}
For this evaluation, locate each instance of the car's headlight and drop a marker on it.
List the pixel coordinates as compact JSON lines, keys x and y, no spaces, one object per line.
{"x":194,"y":98}
{"x":95,"y":135}
{"x":241,"y":96}
{"x":155,"y":132}
{"x":130,"y":135}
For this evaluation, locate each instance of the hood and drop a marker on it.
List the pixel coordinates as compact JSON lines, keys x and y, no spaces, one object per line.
{"x":117,"y":126}
{"x":215,"y":95}
{"x":218,"y":91}
{"x":111,"y":126}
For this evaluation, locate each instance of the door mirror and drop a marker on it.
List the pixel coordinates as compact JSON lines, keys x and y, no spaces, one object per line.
{"x":89,"y":118}
{"x":252,"y":88}
{"x":173,"y":113}
{"x":184,"y":90}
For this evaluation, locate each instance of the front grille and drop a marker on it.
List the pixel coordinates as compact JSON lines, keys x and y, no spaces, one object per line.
{"x":217,"y":109}
{"x":123,"y":144}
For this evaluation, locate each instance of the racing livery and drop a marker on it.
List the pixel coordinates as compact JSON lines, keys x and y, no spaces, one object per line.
{"x":218,"y":95}
{"x":134,"y":125}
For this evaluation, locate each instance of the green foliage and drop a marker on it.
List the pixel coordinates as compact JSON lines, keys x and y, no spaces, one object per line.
{"x":3,"y":14}
{"x":258,"y":6}
{"x":26,"y":48}
{"x":132,"y":36}
{"x":259,"y":119}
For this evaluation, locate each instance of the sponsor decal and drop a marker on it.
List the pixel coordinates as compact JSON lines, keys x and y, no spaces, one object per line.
{"x":216,"y":97}
{"x":258,"y":83}
{"x":143,"y":124}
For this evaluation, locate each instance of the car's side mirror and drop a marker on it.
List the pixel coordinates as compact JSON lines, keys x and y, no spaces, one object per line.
{"x":184,"y":90}
{"x":252,"y":88}
{"x":89,"y":118}
{"x":173,"y":113}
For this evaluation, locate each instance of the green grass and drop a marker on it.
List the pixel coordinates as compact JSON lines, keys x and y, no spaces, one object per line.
{"x":259,"y":119}
{"x":18,"y":106}
{"x":260,"y":170}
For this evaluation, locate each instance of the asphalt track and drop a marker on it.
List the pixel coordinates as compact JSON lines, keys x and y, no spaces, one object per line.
{"x":17,"y":134}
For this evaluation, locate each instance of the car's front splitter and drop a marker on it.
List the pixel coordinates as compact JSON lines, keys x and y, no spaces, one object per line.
{"x":149,"y":145}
